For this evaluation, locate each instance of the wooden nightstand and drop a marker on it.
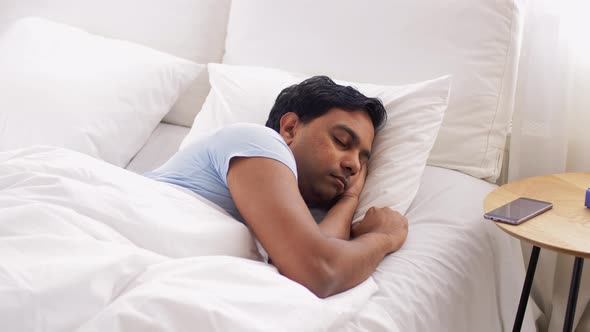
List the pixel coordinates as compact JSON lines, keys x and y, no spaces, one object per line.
{"x":565,"y":228}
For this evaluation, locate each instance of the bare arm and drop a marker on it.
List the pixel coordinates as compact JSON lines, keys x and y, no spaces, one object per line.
{"x":338,"y":220}
{"x":266,"y":194}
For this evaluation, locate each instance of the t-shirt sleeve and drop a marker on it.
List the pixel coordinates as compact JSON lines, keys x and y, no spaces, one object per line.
{"x":246,"y":140}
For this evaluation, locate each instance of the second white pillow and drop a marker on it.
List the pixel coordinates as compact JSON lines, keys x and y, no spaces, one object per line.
{"x":401,"y":147}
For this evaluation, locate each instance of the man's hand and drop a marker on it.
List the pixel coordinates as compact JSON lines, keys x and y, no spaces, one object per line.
{"x":384,"y":221}
{"x":357,"y":183}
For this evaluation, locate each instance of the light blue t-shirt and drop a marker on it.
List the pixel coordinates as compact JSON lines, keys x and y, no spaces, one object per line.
{"x":202,"y":166}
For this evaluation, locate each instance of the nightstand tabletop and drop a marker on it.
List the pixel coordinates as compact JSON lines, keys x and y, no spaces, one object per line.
{"x":566,"y":227}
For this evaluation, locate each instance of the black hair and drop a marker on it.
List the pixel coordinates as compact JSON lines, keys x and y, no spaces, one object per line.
{"x":315,"y":96}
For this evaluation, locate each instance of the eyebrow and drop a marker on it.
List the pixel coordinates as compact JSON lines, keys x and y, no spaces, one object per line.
{"x":355,"y":139}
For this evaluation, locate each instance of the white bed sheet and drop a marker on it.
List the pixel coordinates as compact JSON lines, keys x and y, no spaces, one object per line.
{"x":162,"y":144}
{"x":456,"y":272}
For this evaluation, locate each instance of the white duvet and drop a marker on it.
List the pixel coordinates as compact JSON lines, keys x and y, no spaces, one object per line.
{"x":87,"y":246}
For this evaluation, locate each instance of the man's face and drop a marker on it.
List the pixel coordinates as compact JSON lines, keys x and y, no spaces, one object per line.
{"x":329,"y":151}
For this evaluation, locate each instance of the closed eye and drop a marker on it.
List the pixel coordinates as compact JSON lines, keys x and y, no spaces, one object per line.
{"x":339,"y":142}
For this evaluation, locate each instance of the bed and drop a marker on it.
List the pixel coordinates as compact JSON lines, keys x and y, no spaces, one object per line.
{"x":455,"y":272}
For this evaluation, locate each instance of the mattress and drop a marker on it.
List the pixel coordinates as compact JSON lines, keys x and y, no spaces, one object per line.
{"x":456,"y":272}
{"x":162,"y":144}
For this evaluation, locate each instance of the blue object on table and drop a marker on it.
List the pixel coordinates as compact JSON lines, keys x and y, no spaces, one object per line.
{"x":588,"y":198}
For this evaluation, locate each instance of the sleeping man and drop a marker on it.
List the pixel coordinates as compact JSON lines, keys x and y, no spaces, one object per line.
{"x":313,"y":152}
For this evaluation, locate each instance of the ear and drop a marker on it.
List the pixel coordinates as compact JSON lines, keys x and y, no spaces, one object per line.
{"x":289,"y":124}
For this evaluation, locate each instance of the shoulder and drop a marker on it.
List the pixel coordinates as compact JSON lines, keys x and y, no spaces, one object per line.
{"x":249,"y":136}
{"x":247,"y":131}
{"x":249,"y":140}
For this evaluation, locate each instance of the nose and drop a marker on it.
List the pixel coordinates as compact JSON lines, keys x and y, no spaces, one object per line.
{"x":351,"y":164}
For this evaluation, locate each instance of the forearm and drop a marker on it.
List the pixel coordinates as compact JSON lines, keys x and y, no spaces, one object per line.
{"x":352,"y":262}
{"x":338,"y":220}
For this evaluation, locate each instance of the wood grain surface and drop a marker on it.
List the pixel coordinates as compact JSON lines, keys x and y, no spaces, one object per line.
{"x":566,"y":227}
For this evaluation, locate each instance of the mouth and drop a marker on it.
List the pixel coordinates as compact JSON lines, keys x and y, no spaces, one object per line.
{"x":343,"y":181}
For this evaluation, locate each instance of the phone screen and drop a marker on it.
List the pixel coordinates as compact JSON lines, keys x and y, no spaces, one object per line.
{"x":519,"y":210}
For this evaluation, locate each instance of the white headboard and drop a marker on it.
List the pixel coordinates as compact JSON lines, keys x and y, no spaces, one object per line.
{"x":396,"y":42}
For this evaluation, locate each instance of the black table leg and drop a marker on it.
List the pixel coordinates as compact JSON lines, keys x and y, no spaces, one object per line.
{"x":526,"y":289}
{"x":573,"y":296}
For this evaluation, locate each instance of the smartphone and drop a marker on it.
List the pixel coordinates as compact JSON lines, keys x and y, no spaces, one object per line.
{"x":518,"y":211}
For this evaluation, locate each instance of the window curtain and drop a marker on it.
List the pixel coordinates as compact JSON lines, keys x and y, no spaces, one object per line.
{"x":551,"y":132}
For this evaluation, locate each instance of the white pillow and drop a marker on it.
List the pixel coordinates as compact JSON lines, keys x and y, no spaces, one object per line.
{"x":65,"y":87}
{"x":400,"y":149}
{"x":192,"y":30}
